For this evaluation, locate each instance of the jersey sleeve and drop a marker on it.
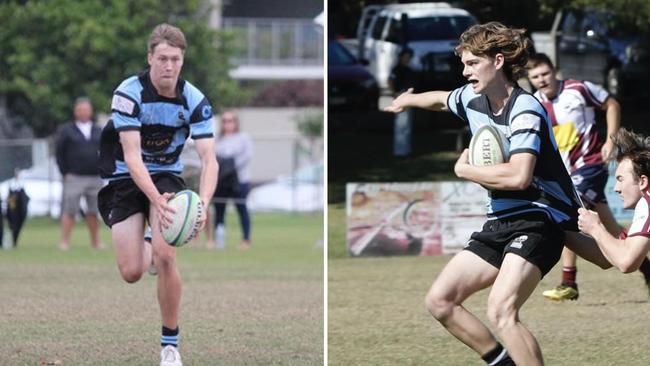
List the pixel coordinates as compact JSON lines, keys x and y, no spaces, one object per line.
{"x":641,"y":220}
{"x":455,"y":103}
{"x":525,"y":133}
{"x":125,"y":106}
{"x":201,"y":125}
{"x":597,"y":94}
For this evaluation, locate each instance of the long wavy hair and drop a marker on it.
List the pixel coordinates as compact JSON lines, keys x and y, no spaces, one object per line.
{"x":489,"y":39}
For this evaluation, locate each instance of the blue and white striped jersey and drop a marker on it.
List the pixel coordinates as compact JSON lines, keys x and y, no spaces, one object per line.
{"x":164,"y":125}
{"x":525,"y":124}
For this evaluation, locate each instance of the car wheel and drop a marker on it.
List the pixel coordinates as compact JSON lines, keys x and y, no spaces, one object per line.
{"x":613,"y":82}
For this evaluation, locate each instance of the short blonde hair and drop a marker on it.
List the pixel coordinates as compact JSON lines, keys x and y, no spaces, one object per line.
{"x":166,"y":33}
{"x":486,"y":40}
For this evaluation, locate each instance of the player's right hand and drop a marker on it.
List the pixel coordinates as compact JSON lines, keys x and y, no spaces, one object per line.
{"x":163,"y":210}
{"x":399,"y":104}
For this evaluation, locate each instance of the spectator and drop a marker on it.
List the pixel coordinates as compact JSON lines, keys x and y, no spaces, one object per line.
{"x":234,"y":152}
{"x":76,"y":155}
{"x":401,"y":79}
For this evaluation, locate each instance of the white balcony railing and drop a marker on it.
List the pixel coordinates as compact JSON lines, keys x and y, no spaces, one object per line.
{"x":276,"y":42}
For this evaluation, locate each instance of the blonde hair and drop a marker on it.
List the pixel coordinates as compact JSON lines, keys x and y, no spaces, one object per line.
{"x":235,"y":120}
{"x":489,"y":39}
{"x":166,"y":33}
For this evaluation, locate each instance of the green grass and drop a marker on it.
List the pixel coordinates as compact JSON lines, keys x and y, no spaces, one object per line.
{"x":376,"y":313}
{"x":376,"y":316}
{"x":259,"y":307}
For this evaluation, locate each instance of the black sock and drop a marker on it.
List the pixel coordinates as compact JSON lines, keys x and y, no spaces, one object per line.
{"x":498,"y":357}
{"x":169,"y":337}
{"x":645,"y":269}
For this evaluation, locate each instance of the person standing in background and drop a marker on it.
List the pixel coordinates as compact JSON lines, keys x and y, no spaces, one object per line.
{"x":234,"y":151}
{"x":76,"y":155}
{"x":401,"y":79}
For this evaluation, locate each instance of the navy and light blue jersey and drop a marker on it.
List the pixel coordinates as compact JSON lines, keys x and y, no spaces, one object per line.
{"x":525,"y":124}
{"x":164,"y":125}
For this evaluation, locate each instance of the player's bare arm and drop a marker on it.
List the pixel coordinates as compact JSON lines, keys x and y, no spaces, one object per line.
{"x":626,"y":255}
{"x":613,"y":117}
{"x":209,"y":173}
{"x":516,"y":174}
{"x":433,"y":100}
{"x":130,"y":141}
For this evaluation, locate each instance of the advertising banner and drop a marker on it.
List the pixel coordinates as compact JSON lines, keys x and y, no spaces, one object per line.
{"x":431,"y":218}
{"x":426,"y":218}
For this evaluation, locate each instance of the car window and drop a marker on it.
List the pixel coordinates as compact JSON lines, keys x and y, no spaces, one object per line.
{"x":379,"y":27}
{"x":394,"y":31}
{"x":440,"y":27}
{"x":594,"y":26}
{"x":338,"y":55}
{"x":571,"y":26}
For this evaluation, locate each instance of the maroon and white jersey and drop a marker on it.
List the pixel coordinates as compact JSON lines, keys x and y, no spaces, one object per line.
{"x":641,"y":221}
{"x":573,"y":116}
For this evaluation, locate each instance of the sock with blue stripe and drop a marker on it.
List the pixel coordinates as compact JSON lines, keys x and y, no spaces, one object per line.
{"x":169,"y":337}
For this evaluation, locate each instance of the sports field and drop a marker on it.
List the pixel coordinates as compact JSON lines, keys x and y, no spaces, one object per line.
{"x":259,"y":307}
{"x":376,"y":314}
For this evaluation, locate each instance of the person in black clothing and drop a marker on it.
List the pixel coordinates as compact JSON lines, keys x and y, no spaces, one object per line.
{"x":401,"y":79}
{"x":76,"y":155}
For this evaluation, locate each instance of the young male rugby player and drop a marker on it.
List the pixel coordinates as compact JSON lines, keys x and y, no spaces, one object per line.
{"x":153,"y":113}
{"x":532,"y":198}
{"x":572,"y":106}
{"x":630,"y":249}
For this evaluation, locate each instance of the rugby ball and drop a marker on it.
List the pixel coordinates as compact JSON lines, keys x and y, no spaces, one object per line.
{"x":488,"y":146}
{"x":185,"y":221}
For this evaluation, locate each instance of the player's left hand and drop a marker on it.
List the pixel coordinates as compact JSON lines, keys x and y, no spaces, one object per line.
{"x":462,"y":162}
{"x":588,"y":221}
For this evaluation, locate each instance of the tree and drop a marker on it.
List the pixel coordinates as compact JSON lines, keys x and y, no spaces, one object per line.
{"x":56,"y":50}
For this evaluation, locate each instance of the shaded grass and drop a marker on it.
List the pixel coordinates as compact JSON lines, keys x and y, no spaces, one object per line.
{"x":259,"y":307}
{"x":377,"y":317}
{"x":360,"y":149}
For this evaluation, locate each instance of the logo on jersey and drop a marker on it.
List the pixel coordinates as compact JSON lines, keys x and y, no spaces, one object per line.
{"x":206,"y":111}
{"x":181,"y":116}
{"x":577,"y":179}
{"x":156,"y":138}
{"x":566,"y":136}
{"x":525,"y":122}
{"x":123,"y":105}
{"x":519,"y":242}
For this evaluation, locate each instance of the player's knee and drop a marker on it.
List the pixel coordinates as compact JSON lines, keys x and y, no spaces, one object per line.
{"x":130,"y":274}
{"x":438,"y":305}
{"x":501,"y":314}
{"x":165,"y":260}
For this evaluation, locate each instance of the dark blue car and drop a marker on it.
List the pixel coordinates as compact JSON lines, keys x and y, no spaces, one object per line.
{"x":597,"y":47}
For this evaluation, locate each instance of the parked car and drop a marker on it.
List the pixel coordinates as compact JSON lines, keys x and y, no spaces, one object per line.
{"x":431,"y":30}
{"x":350,"y":85}
{"x":42,"y":183}
{"x":300,"y":192}
{"x":597,"y":47}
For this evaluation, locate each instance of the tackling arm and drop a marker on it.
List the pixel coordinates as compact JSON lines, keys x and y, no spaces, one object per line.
{"x":626,"y":254}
